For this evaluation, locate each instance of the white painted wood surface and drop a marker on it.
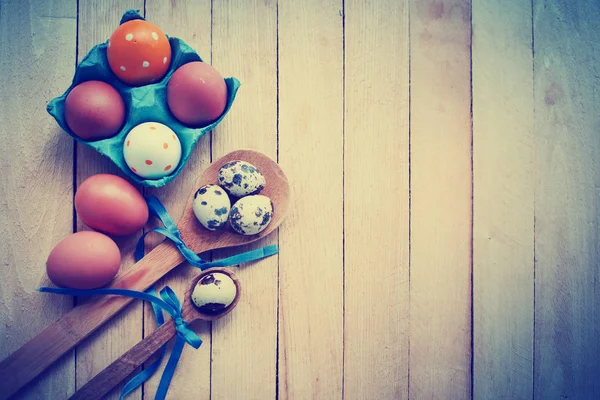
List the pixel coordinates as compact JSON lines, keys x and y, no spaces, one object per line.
{"x":310,"y":151}
{"x":503,"y":200}
{"x":440,"y":159}
{"x":367,"y":107}
{"x":36,"y":185}
{"x":567,"y":199}
{"x":376,"y":201}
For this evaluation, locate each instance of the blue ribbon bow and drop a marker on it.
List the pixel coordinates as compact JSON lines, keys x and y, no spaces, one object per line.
{"x":171,"y":231}
{"x":167,"y":301}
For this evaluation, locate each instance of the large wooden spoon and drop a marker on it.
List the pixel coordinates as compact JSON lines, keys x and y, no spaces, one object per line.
{"x":125,"y":365}
{"x":73,"y":327}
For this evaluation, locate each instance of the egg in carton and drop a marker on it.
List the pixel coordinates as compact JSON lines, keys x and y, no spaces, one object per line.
{"x":145,"y":107}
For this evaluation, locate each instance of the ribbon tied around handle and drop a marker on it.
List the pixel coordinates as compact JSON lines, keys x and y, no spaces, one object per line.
{"x":185,"y":333}
{"x":170,"y":230}
{"x":167,"y":301}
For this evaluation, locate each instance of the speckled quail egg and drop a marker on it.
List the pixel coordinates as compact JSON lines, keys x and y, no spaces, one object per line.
{"x":214,"y":292}
{"x":251,"y":214}
{"x":240,"y":178}
{"x":211,"y":206}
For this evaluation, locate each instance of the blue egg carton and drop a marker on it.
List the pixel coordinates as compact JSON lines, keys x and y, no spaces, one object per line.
{"x":146,"y":103}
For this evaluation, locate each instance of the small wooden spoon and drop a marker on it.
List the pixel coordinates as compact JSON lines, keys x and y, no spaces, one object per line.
{"x":43,"y":350}
{"x":125,"y":365}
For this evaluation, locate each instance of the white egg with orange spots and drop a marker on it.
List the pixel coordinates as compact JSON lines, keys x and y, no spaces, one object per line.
{"x":152,"y":150}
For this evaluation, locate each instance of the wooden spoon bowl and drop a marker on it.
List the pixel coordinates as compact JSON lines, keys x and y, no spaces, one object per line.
{"x":277,"y":189}
{"x":189,"y":310}
{"x":127,"y":364}
{"x":43,"y":350}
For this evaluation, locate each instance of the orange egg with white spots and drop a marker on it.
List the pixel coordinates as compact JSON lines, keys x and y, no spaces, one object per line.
{"x":152,"y":150}
{"x":139,"y":52}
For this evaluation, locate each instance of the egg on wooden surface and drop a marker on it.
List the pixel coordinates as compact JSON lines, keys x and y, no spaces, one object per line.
{"x":214,"y":292}
{"x":152,"y":150}
{"x":251,"y":214}
{"x":196,"y":94}
{"x":240,"y":178}
{"x":84,"y":260}
{"x":94,"y":110}
{"x":211,"y":206}
{"x":110,"y":204}
{"x":139,"y":52}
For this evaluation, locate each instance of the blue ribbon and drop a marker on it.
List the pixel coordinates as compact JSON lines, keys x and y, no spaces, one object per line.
{"x":147,"y":372}
{"x":171,"y":231}
{"x":167,"y":301}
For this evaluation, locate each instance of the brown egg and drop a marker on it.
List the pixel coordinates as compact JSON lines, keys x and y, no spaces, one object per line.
{"x":84,"y":260}
{"x":94,"y":110}
{"x":196,"y":94}
{"x":110,"y":204}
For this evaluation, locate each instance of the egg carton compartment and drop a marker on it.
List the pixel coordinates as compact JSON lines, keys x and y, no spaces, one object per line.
{"x":146,"y":103}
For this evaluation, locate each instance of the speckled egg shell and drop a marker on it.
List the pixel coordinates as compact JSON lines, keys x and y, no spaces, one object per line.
{"x":240,"y":178}
{"x":152,"y":150}
{"x":214,"y":293}
{"x":251,"y":214}
{"x":211,"y":206}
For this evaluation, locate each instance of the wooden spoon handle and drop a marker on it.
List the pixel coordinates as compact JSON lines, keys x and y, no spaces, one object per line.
{"x":43,"y":350}
{"x":125,"y":365}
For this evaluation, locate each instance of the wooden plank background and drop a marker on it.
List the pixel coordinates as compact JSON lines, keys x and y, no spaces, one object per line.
{"x":310,"y":122}
{"x":567,"y":199}
{"x":440,"y":222}
{"x":36,"y":186}
{"x":376,"y":201}
{"x":444,"y":236}
{"x":503,"y":200}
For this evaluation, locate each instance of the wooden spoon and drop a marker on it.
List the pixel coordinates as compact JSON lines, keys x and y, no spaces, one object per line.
{"x":73,"y":327}
{"x":125,"y":365}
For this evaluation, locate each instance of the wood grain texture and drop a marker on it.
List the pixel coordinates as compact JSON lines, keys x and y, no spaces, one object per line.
{"x":376,"y":201}
{"x":567,"y":200}
{"x":36,"y":183}
{"x":189,"y":20}
{"x":96,"y":22}
{"x":440,"y":270}
{"x":244,"y":344}
{"x":503,"y":200}
{"x":125,"y":366}
{"x":310,"y":151}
